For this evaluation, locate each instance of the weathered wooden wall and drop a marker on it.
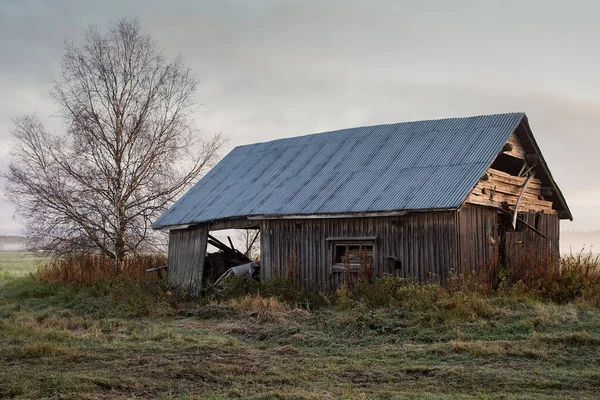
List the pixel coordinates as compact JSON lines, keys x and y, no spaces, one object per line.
{"x":428,"y":245}
{"x":425,"y":246}
{"x":424,"y":243}
{"x":525,"y":244}
{"x":187,"y":248}
{"x":478,"y":239}
{"x":487,"y":242}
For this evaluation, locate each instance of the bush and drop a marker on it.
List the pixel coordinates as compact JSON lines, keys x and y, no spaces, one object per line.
{"x":87,"y":285}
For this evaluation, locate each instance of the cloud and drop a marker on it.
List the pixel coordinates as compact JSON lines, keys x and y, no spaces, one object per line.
{"x":270,"y":69}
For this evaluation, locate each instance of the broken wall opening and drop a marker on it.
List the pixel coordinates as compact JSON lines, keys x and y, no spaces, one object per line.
{"x":226,"y":256}
{"x":232,"y":243}
{"x":199,"y":255}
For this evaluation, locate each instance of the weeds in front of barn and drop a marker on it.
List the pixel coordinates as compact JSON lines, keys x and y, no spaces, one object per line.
{"x":576,"y":278}
{"x":376,"y":338}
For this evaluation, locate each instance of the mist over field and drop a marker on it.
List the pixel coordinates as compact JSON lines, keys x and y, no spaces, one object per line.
{"x":578,"y":241}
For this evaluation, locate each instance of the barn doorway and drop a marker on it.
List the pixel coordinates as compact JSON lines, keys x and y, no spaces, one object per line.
{"x":230,"y":248}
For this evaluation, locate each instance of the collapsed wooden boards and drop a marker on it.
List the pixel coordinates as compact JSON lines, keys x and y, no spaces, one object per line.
{"x":497,"y":187}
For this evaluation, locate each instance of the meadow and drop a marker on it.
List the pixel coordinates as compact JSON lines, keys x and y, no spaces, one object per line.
{"x":129,"y":339}
{"x":19,"y":263}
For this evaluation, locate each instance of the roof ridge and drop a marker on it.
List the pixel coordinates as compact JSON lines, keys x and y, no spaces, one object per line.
{"x":522,"y":113}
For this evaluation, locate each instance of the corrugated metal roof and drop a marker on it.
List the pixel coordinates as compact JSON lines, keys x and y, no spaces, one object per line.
{"x":405,"y":166}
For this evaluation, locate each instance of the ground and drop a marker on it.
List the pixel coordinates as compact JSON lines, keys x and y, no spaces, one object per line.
{"x":61,"y":342}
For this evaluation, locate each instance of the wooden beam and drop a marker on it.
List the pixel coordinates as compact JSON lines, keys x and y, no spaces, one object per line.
{"x":523,"y":168}
{"x":231,"y":243}
{"x":237,"y":223}
{"x":345,"y":215}
{"x":526,"y":224}
{"x":532,"y":228}
{"x":516,"y":212}
{"x":532,"y":158}
{"x":252,"y":243}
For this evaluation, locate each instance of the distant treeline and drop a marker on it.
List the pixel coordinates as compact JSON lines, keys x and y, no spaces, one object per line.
{"x":12,"y":238}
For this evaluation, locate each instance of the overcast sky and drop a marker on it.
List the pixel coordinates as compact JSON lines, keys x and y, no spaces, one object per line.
{"x":272,"y":69}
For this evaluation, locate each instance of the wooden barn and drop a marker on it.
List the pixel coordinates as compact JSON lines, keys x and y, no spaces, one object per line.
{"x":416,"y":199}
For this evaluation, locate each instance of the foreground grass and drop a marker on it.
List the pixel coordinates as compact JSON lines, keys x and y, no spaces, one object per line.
{"x":59,"y":342}
{"x":19,"y":263}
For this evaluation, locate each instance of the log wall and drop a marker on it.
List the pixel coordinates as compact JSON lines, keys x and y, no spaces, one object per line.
{"x":497,"y":187}
{"x":187,"y":248}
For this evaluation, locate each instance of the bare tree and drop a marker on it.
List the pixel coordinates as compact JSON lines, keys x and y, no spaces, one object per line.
{"x":249,"y":239}
{"x":127,"y":152}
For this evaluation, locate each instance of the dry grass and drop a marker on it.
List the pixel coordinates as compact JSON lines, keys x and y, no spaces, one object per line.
{"x":262,"y":348}
{"x":574,"y":277}
{"x":88,"y":269}
{"x":383,"y":339}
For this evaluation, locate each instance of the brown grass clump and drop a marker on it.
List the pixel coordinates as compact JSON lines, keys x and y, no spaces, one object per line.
{"x":264,"y":308}
{"x":43,"y":349}
{"x":260,"y":304}
{"x":87,"y":269}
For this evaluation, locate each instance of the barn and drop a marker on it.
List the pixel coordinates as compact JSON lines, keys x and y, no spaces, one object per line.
{"x":421,"y":200}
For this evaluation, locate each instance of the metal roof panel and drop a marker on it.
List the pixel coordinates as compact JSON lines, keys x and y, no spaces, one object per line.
{"x":404,"y":166}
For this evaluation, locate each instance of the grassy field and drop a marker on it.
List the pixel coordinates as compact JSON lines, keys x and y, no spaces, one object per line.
{"x":19,"y":263}
{"x":57,"y":341}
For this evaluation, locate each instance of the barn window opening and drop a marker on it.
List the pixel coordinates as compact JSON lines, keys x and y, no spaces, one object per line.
{"x":355,"y":254}
{"x":508,"y":164}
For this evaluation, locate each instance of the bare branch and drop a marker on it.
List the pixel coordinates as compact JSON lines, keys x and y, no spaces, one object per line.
{"x":128,"y":151}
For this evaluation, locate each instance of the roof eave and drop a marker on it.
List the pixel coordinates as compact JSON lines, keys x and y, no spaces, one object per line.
{"x":358,"y":214}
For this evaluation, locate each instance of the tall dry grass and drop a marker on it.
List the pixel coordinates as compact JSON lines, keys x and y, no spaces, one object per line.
{"x":576,"y":278}
{"x":87,"y":269}
{"x":573,"y":277}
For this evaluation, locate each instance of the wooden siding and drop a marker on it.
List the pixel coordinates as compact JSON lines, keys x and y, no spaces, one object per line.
{"x":237,"y":223}
{"x":525,"y":244}
{"x":517,"y":149}
{"x":478,"y":239}
{"x":487,"y":241}
{"x":187,"y":248}
{"x":424,"y":243}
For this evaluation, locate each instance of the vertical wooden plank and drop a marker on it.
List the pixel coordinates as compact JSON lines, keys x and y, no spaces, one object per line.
{"x":187,"y":248}
{"x":441,"y":259}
